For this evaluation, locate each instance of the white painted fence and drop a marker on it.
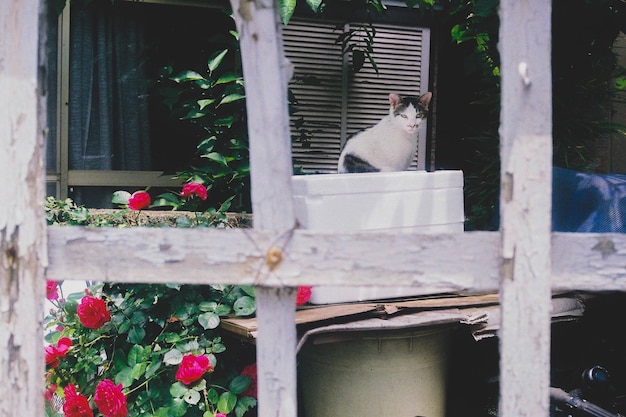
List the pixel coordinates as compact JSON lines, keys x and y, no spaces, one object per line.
{"x":524,"y":260}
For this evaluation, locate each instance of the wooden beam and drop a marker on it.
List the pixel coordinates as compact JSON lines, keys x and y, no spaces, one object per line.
{"x":265,"y":71}
{"x":22,"y":226}
{"x":467,"y":262}
{"x":526,"y":180}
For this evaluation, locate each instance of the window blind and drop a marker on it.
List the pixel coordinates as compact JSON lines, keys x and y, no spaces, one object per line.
{"x":332,"y":101}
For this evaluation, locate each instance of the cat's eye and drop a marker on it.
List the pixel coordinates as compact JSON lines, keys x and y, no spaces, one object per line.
{"x":404,"y":116}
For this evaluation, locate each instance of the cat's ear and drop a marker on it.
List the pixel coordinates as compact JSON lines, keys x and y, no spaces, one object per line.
{"x":424,"y":99}
{"x":394,"y":100}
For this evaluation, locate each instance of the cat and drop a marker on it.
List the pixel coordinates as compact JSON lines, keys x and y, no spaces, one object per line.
{"x":390,"y":144}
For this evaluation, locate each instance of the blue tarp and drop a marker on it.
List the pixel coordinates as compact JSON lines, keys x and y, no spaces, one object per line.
{"x":586,"y":202}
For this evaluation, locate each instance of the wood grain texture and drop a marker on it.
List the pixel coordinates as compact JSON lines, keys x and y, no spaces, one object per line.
{"x":526,"y":166}
{"x":22,"y":226}
{"x":265,"y":72}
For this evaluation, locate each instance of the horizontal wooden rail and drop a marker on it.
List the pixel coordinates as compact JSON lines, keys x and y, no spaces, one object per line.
{"x":464,"y":262}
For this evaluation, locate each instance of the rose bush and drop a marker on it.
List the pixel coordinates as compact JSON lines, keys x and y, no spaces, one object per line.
{"x":148,"y":350}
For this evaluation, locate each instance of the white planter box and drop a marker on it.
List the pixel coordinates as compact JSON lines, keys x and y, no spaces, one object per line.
{"x":420,"y":201}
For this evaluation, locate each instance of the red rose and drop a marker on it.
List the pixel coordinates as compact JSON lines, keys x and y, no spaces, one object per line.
{"x":92,"y":312}
{"x":194,"y":188}
{"x":51,"y":290}
{"x":303,"y":295}
{"x":110,"y":399}
{"x":192,"y":368}
{"x":75,"y":405}
{"x":139,"y":200}
{"x":250,"y":371}
{"x":53,"y":353}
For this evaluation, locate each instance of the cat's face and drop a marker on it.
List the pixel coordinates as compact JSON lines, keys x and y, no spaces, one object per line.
{"x":408,"y":111}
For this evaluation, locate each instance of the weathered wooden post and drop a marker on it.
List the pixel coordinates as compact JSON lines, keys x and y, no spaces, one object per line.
{"x":265,"y":70}
{"x":22,"y":224}
{"x":526,"y":153}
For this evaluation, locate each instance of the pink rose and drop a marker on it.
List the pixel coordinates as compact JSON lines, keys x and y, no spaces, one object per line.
{"x":75,"y":405}
{"x":250,"y":371}
{"x":194,"y":188}
{"x":53,"y":353}
{"x":220,"y":415}
{"x":303,"y":295}
{"x":50,"y":391}
{"x":51,"y":290}
{"x":139,"y":200}
{"x":110,"y":399}
{"x":92,"y":312}
{"x":192,"y":368}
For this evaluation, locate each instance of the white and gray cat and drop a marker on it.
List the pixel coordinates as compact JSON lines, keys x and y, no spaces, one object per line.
{"x":390,"y":144}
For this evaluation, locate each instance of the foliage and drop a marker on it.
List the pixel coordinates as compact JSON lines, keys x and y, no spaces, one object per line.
{"x":213,"y":103}
{"x":150,"y":330}
{"x":584,"y":72}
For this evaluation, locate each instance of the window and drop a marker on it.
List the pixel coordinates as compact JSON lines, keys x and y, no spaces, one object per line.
{"x":333,"y":101}
{"x":110,"y":128}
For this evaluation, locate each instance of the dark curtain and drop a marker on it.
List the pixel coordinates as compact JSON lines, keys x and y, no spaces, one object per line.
{"x":108,"y":106}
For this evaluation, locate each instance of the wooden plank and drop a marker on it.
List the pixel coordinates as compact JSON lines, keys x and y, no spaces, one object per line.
{"x":239,"y":256}
{"x":592,"y":262}
{"x":22,"y":226}
{"x":583,"y":261}
{"x":265,"y":73}
{"x":526,"y":172}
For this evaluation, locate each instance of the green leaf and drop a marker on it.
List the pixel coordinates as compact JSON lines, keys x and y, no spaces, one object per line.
{"x":231,"y":98}
{"x":244,"y":306}
{"x":225,"y":121}
{"x":209,"y":320}
{"x":212,"y":396}
{"x":215,"y":60}
{"x":173,"y":357}
{"x":178,"y":408}
{"x":138,"y":317}
{"x":178,"y":389}
{"x":248,"y":289}
{"x":136,"y":334}
{"x":199,"y":386}
{"x":135,"y":355}
{"x":125,"y":377}
{"x":120,"y":197}
{"x":207,"y":306}
{"x":239,"y":384}
{"x":139,"y":370}
{"x":286,"y":8}
{"x":314,"y":5}
{"x":195,"y":114}
{"x":223,"y":309}
{"x":227,"y":402}
{"x":216,"y":157}
{"x":183,"y":221}
{"x":187,"y":75}
{"x":205,"y":102}
{"x":153,"y":367}
{"x":243,"y":404}
{"x":191,"y":397}
{"x":172,"y":337}
{"x":228,"y":78}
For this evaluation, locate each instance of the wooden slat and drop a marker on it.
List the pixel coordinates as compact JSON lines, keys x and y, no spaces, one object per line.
{"x":266,"y":72}
{"x":526,"y":165}
{"x":583,"y":261}
{"x":22,"y":226}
